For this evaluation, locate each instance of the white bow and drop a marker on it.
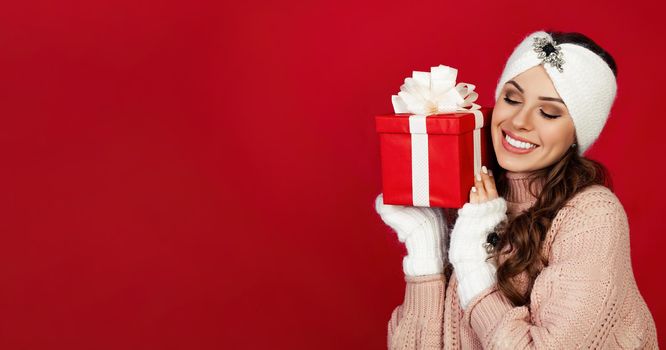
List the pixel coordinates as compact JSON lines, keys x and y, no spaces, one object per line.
{"x":435,"y":92}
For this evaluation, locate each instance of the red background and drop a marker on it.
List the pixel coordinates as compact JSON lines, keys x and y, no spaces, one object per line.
{"x":200,"y":175}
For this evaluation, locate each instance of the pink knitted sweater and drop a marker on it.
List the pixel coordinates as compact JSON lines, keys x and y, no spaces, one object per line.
{"x":585,"y":298}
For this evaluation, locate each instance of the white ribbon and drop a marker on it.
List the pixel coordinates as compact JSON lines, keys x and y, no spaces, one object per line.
{"x":428,"y":93}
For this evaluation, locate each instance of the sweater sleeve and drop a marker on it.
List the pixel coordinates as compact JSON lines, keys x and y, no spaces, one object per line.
{"x":576,"y":299}
{"x":418,"y":322}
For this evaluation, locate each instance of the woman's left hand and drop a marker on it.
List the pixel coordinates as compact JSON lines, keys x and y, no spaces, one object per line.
{"x":484,"y":187}
{"x":476,"y":220}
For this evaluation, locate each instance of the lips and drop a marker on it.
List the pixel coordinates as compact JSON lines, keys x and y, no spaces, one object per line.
{"x":513,"y":136}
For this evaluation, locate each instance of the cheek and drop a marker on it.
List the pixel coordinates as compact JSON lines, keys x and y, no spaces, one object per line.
{"x":500,"y":114}
{"x":556,"y":135}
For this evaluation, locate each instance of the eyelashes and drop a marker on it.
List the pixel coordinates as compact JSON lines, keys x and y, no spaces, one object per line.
{"x":549,"y":116}
{"x":545,"y":115}
{"x":510,"y":101}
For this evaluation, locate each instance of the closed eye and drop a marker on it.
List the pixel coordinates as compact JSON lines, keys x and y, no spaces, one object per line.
{"x":545,"y":115}
{"x":510,"y":101}
{"x":549,"y":116}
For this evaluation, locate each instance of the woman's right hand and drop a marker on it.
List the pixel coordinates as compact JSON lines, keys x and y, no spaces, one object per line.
{"x":424,"y":232}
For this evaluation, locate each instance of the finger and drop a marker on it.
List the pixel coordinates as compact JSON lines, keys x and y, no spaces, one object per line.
{"x":488,"y":183}
{"x":473,"y":195}
{"x":384,"y":209}
{"x":379,"y":203}
{"x":480,"y":188}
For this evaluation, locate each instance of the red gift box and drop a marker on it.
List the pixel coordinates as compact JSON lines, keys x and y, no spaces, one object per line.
{"x":430,"y":160}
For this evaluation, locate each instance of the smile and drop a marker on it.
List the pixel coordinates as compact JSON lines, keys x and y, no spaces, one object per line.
{"x":512,"y":144}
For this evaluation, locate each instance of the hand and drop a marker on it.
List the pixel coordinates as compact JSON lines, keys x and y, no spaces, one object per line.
{"x":484,"y":187}
{"x":476,"y":220}
{"x":423,"y":231}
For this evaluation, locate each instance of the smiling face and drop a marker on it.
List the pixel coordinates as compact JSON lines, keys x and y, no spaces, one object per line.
{"x":531,"y":127}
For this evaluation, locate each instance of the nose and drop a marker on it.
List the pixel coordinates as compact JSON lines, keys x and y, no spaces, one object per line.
{"x":522,"y":119}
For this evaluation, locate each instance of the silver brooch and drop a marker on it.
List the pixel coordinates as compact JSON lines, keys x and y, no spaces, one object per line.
{"x":549,"y":51}
{"x":491,"y":242}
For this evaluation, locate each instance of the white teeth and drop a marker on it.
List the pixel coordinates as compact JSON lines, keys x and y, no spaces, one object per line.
{"x":519,"y":144}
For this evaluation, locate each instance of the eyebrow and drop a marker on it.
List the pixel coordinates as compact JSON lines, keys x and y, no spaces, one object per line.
{"x":543,"y":98}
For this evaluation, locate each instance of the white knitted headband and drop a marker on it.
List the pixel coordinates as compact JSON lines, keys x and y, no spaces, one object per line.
{"x":583,"y":79}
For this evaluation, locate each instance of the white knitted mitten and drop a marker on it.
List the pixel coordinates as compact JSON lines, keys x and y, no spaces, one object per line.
{"x":423,"y":230}
{"x":466,"y":252}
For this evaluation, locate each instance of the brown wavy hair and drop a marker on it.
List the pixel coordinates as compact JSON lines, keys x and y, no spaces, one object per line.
{"x":524,"y":234}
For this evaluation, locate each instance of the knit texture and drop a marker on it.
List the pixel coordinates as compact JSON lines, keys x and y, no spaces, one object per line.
{"x":421,"y":229}
{"x":467,"y":253}
{"x":586,"y":297}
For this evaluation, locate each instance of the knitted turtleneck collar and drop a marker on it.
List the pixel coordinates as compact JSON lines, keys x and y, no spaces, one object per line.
{"x":518,"y":196}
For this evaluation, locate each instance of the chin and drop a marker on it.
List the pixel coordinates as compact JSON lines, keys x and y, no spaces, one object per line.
{"x":514,"y":165}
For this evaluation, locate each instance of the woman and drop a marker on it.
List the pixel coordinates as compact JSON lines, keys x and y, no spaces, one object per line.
{"x":541,"y":258}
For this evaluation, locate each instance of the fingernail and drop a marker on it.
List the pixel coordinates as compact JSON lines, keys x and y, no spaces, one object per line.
{"x":478,"y":177}
{"x":484,"y":169}
{"x":473,"y":188}
{"x":490,"y":173}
